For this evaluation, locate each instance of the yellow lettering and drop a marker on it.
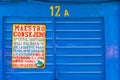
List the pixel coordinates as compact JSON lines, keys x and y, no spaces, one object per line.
{"x":53,"y":9}
{"x":66,"y":13}
{"x":58,"y":11}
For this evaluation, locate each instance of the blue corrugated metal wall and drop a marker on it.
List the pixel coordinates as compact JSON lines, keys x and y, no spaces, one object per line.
{"x":80,"y":48}
{"x":77,"y":46}
{"x":62,"y":42}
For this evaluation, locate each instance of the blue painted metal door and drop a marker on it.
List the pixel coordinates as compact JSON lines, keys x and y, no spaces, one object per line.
{"x":27,"y":74}
{"x":75,"y":49}
{"x":79,"y":48}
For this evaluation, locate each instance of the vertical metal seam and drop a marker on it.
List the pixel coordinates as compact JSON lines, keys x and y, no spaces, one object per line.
{"x":54,"y":49}
{"x":104,"y":52}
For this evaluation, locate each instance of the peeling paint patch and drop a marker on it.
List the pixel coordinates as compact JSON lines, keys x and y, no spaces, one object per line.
{"x":8,"y":62}
{"x":11,"y":70}
{"x":7,"y":53}
{"x":112,"y":51}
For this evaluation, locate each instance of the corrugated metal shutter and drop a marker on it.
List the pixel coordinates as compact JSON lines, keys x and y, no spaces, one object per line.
{"x":75,"y":49}
{"x":80,"y":49}
{"x":27,"y":74}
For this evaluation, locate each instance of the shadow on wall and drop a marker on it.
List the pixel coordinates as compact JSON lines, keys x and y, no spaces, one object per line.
{"x":78,"y":1}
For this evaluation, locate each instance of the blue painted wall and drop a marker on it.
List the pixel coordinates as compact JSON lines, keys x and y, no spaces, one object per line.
{"x":110,"y":11}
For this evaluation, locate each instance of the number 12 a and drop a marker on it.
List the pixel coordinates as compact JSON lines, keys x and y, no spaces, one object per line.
{"x":53,"y":9}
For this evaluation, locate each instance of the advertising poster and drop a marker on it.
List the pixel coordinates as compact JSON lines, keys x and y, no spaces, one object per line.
{"x":28,"y":46}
